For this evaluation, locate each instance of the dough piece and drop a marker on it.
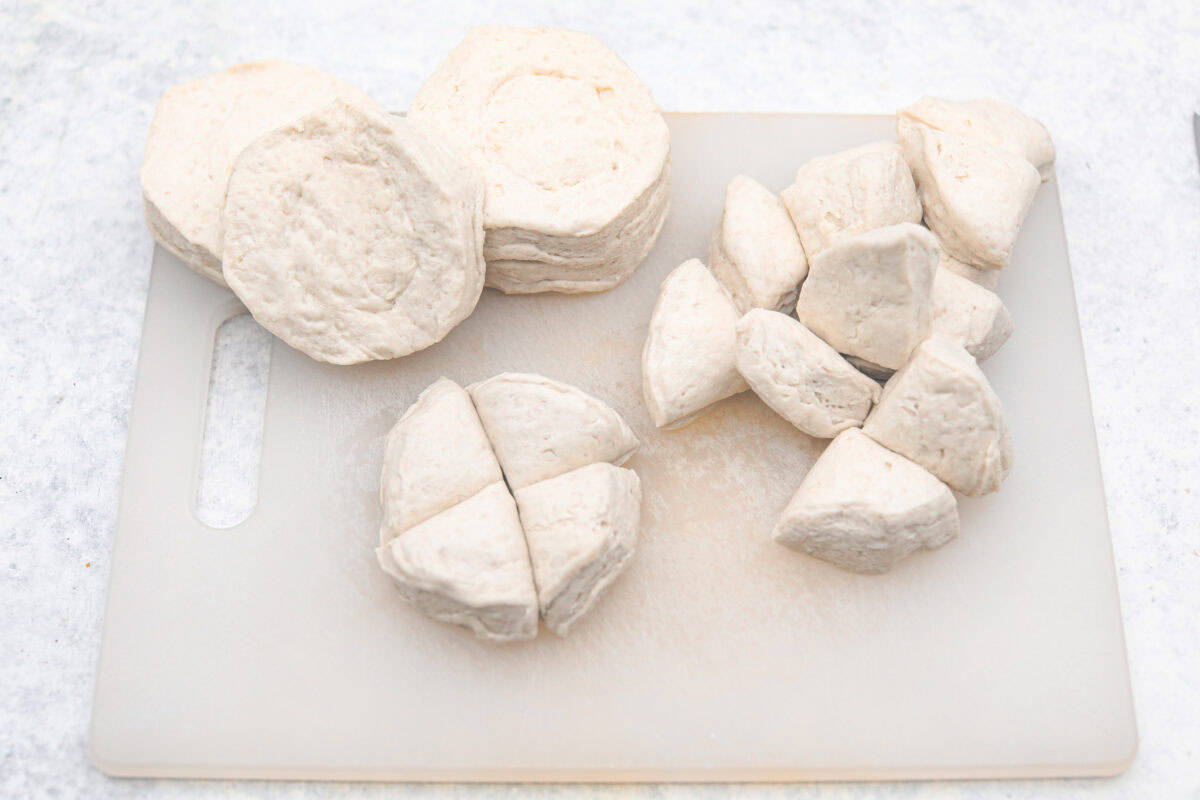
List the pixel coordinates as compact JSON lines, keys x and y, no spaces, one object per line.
{"x":838,"y":196}
{"x":975,"y":193}
{"x":800,"y":377}
{"x":987,"y":278}
{"x":541,"y":428}
{"x":869,"y":296}
{"x":688,"y":360}
{"x":581,"y":528}
{"x":969,"y":315}
{"x":573,"y":151}
{"x":940,"y":411}
{"x":351,"y":237}
{"x":200,"y":127}
{"x":469,"y":566}
{"x":755,"y":251}
{"x":991,"y":121}
{"x":437,"y":455}
{"x":864,"y":508}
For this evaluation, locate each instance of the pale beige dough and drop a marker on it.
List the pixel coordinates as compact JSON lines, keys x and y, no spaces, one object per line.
{"x":865,"y":508}
{"x":352,"y":237}
{"x":199,"y":129}
{"x":581,"y":528}
{"x":572,"y":149}
{"x":940,"y":411}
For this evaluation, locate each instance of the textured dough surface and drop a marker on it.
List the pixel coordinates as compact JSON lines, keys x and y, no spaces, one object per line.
{"x":940,"y":411}
{"x":864,"y":508}
{"x":755,"y":251}
{"x":435,"y":456}
{"x":969,"y":315}
{"x":469,"y":566}
{"x":869,"y":296}
{"x":848,"y":193}
{"x":573,"y":151}
{"x":800,"y":377}
{"x":541,"y":428}
{"x":975,"y":193}
{"x":352,"y":237}
{"x":688,"y":361}
{"x":581,"y":529}
{"x":199,"y":129}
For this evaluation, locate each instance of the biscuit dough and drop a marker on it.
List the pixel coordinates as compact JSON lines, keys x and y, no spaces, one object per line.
{"x":541,"y":428}
{"x":688,"y":361}
{"x":870,"y":295}
{"x":755,"y":252}
{"x":940,"y":411}
{"x":469,"y":566}
{"x":800,"y":377}
{"x":199,"y":129}
{"x":848,"y":193}
{"x":864,"y":508}
{"x":352,"y":237}
{"x":573,"y":152}
{"x":581,"y":528}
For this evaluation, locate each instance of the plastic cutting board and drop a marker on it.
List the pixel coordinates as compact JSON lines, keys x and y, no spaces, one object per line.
{"x":277,"y":649}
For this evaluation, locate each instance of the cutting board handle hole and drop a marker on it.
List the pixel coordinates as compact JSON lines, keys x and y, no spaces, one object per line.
{"x":227,"y":486}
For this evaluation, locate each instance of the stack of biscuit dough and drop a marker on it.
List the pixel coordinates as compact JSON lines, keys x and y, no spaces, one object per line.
{"x":531,"y":160}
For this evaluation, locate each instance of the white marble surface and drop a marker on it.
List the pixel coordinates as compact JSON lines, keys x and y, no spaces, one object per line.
{"x":78,"y":83}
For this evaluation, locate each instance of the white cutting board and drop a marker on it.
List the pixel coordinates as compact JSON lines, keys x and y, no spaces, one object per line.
{"x":277,"y":649}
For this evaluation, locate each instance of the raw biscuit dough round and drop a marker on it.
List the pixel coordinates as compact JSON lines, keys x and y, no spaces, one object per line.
{"x":199,"y":129}
{"x":352,"y":237}
{"x":573,"y":150}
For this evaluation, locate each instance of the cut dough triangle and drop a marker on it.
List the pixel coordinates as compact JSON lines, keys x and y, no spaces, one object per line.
{"x":869,"y":295}
{"x":975,"y":194}
{"x":688,"y":360}
{"x":800,"y":377}
{"x":581,"y":529}
{"x":541,"y":428}
{"x":864,"y":508}
{"x":852,"y":192}
{"x":469,"y":566}
{"x":437,"y":455}
{"x":969,"y":314}
{"x":755,"y":252}
{"x":940,"y":411}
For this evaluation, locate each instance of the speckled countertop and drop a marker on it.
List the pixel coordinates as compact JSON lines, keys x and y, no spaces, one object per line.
{"x":78,"y":84}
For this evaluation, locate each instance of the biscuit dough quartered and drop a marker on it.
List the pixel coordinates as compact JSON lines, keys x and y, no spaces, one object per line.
{"x":969,"y":314}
